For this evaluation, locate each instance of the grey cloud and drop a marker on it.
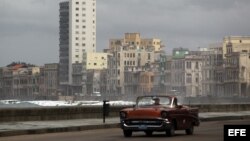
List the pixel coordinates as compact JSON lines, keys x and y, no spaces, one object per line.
{"x":33,"y":25}
{"x":180,"y":20}
{"x":220,"y":5}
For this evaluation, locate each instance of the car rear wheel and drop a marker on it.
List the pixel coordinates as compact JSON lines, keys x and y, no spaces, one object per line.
{"x":149,"y":133}
{"x":127,"y":133}
{"x":171,"y":132}
{"x":190,"y":130}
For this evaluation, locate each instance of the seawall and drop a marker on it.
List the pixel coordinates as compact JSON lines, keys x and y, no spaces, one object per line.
{"x":81,"y":112}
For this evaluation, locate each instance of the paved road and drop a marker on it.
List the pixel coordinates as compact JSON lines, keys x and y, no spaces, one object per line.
{"x":207,"y":131}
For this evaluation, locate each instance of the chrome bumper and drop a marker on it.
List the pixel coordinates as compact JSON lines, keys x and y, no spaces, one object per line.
{"x":143,"y":125}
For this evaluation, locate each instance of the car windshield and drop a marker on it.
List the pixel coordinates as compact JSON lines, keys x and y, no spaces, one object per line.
{"x":153,"y":100}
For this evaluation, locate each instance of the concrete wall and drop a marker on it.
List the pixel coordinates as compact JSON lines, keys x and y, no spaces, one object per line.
{"x":63,"y":113}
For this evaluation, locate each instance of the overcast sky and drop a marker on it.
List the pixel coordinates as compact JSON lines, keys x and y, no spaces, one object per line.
{"x":29,"y":28}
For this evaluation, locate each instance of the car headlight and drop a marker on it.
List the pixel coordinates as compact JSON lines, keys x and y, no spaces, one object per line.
{"x":164,"y":114}
{"x":123,"y":114}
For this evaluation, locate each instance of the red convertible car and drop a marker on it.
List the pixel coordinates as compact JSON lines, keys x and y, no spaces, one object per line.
{"x":158,"y":114}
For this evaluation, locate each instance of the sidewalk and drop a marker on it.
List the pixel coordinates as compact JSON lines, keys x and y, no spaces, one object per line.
{"x":39,"y":127}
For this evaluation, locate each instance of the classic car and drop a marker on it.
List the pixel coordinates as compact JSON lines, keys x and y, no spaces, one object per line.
{"x":158,"y":114}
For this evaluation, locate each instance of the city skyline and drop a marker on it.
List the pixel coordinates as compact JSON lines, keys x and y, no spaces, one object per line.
{"x":30,"y":28}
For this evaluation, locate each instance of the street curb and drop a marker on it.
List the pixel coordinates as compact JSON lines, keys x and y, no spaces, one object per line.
{"x":57,"y":129}
{"x":101,"y":126}
{"x":225,"y":118}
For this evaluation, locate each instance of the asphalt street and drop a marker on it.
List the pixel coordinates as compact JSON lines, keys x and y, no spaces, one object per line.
{"x":207,"y":131}
{"x":43,"y":127}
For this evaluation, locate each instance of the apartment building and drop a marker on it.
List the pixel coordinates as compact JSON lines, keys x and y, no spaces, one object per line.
{"x":138,"y":81}
{"x":236,"y":52}
{"x":158,"y":67}
{"x":94,"y":66}
{"x":6,"y":83}
{"x":77,"y":37}
{"x":20,"y":81}
{"x":51,"y":79}
{"x":127,"y":55}
{"x":136,"y":40}
{"x":168,"y":72}
{"x":237,"y":74}
{"x":186,"y":72}
{"x":213,"y":71}
{"x":130,"y":51}
{"x":235,"y":44}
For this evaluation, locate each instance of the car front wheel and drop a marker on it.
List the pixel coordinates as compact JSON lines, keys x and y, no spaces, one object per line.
{"x":190,"y":130}
{"x":171,"y":132}
{"x":127,"y":133}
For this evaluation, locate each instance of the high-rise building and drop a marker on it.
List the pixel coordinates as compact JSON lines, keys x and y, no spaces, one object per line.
{"x":77,"y":37}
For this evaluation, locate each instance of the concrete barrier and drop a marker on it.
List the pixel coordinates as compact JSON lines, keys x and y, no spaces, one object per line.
{"x":79,"y":112}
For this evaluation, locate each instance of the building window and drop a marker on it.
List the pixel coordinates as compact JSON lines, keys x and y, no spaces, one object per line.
{"x":77,"y":8}
{"x":196,"y":65}
{"x":77,"y":2}
{"x":83,"y":44}
{"x":189,"y":78}
{"x":77,"y":20}
{"x":188,"y":65}
{"x":77,"y":14}
{"x":95,"y":64}
{"x":149,"y":56}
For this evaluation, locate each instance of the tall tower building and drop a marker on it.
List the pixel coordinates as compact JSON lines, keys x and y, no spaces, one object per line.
{"x":77,"y":37}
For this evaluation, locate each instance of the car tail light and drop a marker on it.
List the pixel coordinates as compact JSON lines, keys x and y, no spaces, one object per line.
{"x":164,"y":114}
{"x":123,"y":114}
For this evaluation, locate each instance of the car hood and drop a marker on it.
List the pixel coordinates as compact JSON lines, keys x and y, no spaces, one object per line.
{"x":152,"y":112}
